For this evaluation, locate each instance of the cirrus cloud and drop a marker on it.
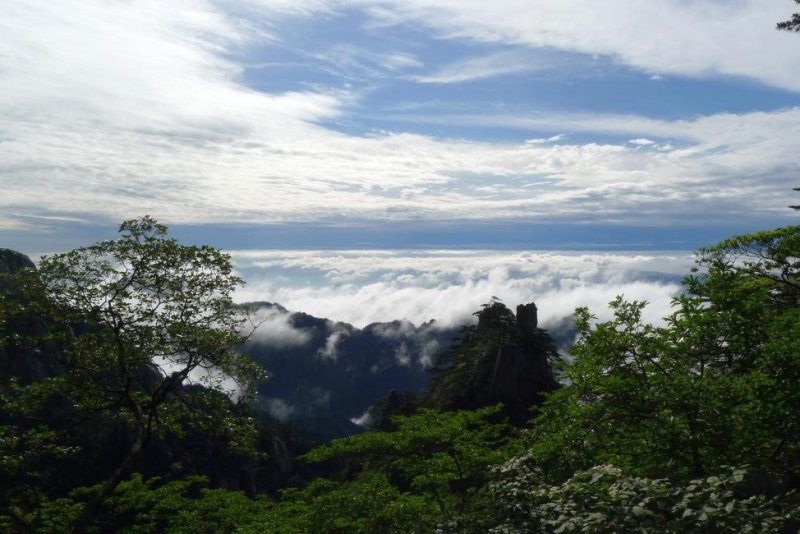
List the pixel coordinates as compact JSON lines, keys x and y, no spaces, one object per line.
{"x":114,"y":109}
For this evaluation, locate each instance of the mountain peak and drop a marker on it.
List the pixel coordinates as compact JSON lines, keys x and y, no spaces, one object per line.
{"x":12,"y":261}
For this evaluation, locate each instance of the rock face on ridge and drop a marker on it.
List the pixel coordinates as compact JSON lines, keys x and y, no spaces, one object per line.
{"x":12,"y":261}
{"x":323,"y":373}
{"x":522,"y":368}
{"x":21,"y":356}
{"x":505,"y":359}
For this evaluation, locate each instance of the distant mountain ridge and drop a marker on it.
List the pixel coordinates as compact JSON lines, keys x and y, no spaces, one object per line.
{"x":321,"y":369}
{"x":324,"y":375}
{"x":12,"y":261}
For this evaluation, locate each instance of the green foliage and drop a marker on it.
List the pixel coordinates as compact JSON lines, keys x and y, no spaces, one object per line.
{"x":760,"y":268}
{"x":138,"y":507}
{"x":715,"y":385}
{"x":751,"y":289}
{"x":465,"y":376}
{"x":604,"y":499}
{"x":436,"y":462}
{"x":26,"y":457}
{"x":369,"y":503}
{"x":24,"y":452}
{"x":792,"y":25}
{"x":640,"y":438}
{"x":137,"y":320}
{"x":636,"y":398}
{"x":151,"y":303}
{"x":463,"y":372}
{"x":181,"y":506}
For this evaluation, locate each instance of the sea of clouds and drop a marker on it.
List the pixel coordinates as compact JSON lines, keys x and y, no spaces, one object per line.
{"x":362,"y":287}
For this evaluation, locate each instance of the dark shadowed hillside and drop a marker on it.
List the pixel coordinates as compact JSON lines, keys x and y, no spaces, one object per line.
{"x":323,"y":374}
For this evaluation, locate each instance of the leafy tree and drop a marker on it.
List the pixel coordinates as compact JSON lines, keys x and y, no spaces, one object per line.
{"x":635,"y":399}
{"x":147,"y":327}
{"x":605,"y":499}
{"x":433,"y":463}
{"x":715,"y":385}
{"x":395,"y":403}
{"x":366,"y":503}
{"x":141,"y":506}
{"x":26,"y":458}
{"x":793,"y":24}
{"x":763,"y":267}
{"x":182,"y":506}
{"x":751,"y":286}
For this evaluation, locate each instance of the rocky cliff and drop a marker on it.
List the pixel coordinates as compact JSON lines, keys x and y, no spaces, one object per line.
{"x":24,"y":351}
{"x":522,"y":366}
{"x":505,"y":358}
{"x":12,"y":261}
{"x":323,"y":374}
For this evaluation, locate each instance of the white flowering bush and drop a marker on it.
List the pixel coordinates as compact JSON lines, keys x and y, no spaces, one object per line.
{"x":604,"y":499}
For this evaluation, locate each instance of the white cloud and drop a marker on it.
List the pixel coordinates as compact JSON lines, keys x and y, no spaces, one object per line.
{"x":275,"y":329}
{"x":400,"y":60}
{"x":280,"y":409}
{"x":429,"y":351}
{"x":394,"y":330}
{"x":320,"y":397}
{"x":402,"y":355}
{"x":11,"y":223}
{"x":698,"y":38}
{"x":115,"y":109}
{"x":211,"y":377}
{"x":641,"y":141}
{"x":449,"y":286}
{"x":364,"y":420}
{"x":485,"y":66}
{"x":543,"y":140}
{"x":330,"y":349}
{"x":357,"y":63}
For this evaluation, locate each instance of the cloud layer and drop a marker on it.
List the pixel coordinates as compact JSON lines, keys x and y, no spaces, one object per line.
{"x":361,"y":287}
{"x":697,"y":38}
{"x":274,"y":328}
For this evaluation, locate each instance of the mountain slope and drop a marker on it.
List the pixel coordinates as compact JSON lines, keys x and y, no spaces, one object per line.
{"x":320,"y":369}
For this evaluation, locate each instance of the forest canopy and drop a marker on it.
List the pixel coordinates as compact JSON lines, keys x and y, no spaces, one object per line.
{"x":692,"y":424}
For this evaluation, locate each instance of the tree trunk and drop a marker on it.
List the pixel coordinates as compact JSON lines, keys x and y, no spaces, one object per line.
{"x":110,"y":483}
{"x":697,"y":464}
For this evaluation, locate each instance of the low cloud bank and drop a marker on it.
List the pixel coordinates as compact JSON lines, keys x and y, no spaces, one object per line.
{"x":330,"y":350}
{"x":275,"y":329}
{"x":362,"y":287}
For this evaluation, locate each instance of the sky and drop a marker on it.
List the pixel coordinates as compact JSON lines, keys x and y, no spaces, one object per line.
{"x":385,"y":125}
